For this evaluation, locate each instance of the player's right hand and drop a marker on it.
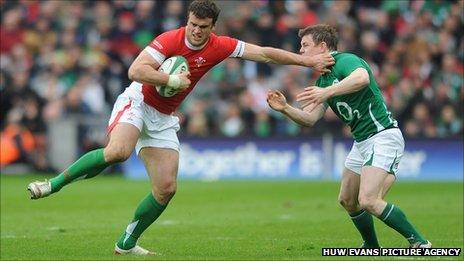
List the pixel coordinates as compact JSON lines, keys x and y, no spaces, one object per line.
{"x":184,"y":80}
{"x":276,"y":100}
{"x":321,"y":62}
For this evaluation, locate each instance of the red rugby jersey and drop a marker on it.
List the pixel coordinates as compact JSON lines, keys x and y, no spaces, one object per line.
{"x":200,"y":61}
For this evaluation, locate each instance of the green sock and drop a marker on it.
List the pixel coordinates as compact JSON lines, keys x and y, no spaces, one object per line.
{"x":395,"y":218}
{"x":145,"y":214}
{"x":87,"y":166}
{"x":365,"y":225}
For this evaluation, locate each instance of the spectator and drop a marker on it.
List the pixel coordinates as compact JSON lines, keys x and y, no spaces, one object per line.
{"x":448,"y":124}
{"x":60,"y":58}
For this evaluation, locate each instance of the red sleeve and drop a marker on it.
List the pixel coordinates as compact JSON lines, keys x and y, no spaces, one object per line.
{"x":163,"y":43}
{"x":229,"y":46}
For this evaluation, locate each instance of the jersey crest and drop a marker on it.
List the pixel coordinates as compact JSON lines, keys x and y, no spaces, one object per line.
{"x":199,"y":61}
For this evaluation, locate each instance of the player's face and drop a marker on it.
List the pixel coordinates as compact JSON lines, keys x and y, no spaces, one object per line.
{"x":309,"y":48}
{"x":198,"y":30}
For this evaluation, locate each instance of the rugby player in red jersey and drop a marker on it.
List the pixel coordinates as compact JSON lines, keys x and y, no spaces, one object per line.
{"x":144,"y":120}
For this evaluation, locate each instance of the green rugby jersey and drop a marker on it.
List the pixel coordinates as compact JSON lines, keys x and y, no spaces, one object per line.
{"x":365,"y":110}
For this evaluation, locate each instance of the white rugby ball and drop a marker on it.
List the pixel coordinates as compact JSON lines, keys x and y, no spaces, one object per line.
{"x":172,"y":65}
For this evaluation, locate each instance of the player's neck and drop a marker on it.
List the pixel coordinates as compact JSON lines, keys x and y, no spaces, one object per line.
{"x":193,"y":47}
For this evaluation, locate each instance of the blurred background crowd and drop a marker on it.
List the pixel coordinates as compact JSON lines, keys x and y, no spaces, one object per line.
{"x":60,"y":59}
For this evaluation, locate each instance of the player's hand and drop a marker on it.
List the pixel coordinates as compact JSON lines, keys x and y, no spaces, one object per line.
{"x":276,"y":100}
{"x":313,"y":95}
{"x":321,"y":62}
{"x":184,"y":80}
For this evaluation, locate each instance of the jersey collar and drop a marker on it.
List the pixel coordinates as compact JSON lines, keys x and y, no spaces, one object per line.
{"x":192,"y":47}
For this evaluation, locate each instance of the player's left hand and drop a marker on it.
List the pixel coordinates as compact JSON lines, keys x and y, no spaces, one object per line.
{"x":276,"y":100}
{"x":320,"y":62}
{"x":313,"y":95}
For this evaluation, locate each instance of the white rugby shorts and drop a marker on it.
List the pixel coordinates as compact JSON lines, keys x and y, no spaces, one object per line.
{"x":383,"y":150}
{"x":157,"y":129}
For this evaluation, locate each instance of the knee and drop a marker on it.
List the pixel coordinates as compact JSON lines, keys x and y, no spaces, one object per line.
{"x":169,"y":189}
{"x":347,"y":202}
{"x":117,"y":153}
{"x":367,"y":202}
{"x":165,"y":190}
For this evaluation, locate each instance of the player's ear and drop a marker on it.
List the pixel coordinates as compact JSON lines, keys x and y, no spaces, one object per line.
{"x":324,"y":45}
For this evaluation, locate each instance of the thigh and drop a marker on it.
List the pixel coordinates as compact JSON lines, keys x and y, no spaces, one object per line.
{"x":349,"y":186}
{"x":124,"y":125}
{"x":387,"y":184}
{"x":372,"y":182}
{"x":123,"y":129}
{"x":123,"y":136}
{"x":161,"y":165}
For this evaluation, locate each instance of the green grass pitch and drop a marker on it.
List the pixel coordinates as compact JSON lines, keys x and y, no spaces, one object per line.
{"x":224,"y":220}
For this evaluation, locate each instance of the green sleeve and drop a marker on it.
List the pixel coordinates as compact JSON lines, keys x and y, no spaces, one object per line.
{"x":346,"y":65}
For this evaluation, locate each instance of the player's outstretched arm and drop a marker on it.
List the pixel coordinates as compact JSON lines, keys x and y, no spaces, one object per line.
{"x":257,"y":53}
{"x":306,"y":117}
{"x":144,"y":69}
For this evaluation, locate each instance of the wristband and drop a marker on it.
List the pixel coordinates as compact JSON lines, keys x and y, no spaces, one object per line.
{"x":174,"y":81}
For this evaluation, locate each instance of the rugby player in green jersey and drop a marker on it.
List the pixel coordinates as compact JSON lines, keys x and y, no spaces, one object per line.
{"x":353,"y":94}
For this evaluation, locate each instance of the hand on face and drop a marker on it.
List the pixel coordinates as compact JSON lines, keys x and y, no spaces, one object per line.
{"x":316,"y":56}
{"x":321,"y":62}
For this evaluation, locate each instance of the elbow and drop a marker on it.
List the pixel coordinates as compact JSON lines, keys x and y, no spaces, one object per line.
{"x":265,"y":57}
{"x":133,"y":73}
{"x":364,"y":78}
{"x":309,"y":123}
{"x":365,"y":81}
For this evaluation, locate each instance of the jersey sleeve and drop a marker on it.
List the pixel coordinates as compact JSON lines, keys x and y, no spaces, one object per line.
{"x":347,"y":64}
{"x":231,"y":47}
{"x":161,"y":47}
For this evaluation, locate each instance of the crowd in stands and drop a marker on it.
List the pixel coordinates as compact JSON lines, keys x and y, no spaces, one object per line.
{"x":61,"y":58}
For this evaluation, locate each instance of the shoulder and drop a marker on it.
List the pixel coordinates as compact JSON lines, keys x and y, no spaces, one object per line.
{"x":346,"y":56}
{"x":344,"y":60}
{"x":167,"y":42}
{"x":222,"y":40}
{"x":225,"y":46}
{"x":176,"y":33}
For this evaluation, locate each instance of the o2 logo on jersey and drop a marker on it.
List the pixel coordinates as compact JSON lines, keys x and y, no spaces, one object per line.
{"x":199,"y":61}
{"x":346,"y":112}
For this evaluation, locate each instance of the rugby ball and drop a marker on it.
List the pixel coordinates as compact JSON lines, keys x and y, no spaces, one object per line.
{"x":172,"y":65}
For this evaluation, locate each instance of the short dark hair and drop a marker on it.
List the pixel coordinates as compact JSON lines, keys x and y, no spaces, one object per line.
{"x":204,"y":9}
{"x":322,"y":33}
